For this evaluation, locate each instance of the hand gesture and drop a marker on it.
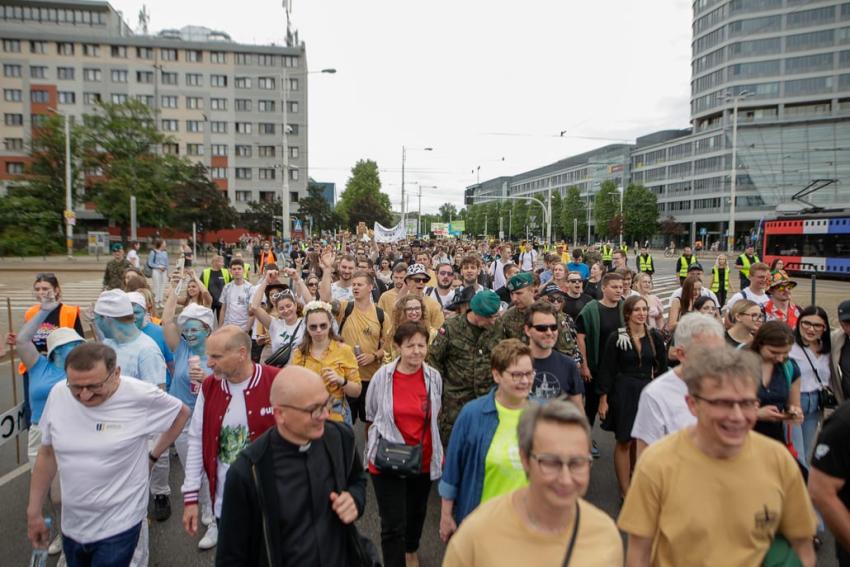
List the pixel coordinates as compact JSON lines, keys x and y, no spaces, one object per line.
{"x":328,"y":258}
{"x":11,"y":338}
{"x":344,"y":506}
{"x":190,"y":519}
{"x":331,"y":377}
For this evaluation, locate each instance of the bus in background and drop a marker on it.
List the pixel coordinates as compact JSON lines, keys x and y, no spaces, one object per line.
{"x":806,"y":243}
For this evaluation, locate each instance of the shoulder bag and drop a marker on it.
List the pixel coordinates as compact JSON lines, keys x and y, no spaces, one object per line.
{"x":281,"y":356}
{"x":826,"y":397}
{"x":400,"y":459}
{"x":147,"y":269}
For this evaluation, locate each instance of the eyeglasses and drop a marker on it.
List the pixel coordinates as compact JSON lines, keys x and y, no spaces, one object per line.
{"x":543,"y":328}
{"x":815,"y":326}
{"x":746,"y":405}
{"x":781,"y":288}
{"x":517,"y":377}
{"x":312,"y":284}
{"x":318,"y":327}
{"x":551,"y":466}
{"x":446,"y":273}
{"x":45,"y":275}
{"x":315,"y":411}
{"x":412,"y":309}
{"x":93,"y":388}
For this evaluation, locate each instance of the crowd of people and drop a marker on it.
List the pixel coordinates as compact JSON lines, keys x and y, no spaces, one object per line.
{"x":477,"y":369}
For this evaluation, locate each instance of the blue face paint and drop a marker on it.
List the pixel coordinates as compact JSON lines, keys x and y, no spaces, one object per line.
{"x":195,"y":333}
{"x":140,"y":313}
{"x":102,"y":324}
{"x":60,"y":353}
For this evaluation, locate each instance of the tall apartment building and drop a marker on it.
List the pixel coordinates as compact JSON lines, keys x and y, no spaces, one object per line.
{"x":221,"y":101}
{"x":788,"y":64}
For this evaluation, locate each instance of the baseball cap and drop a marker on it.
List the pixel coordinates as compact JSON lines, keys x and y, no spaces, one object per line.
{"x":844,"y":310}
{"x":113,"y":303}
{"x":62,"y":336}
{"x":138,"y":299}
{"x":696,"y":266}
{"x":551,"y":289}
{"x":199,"y":312}
{"x":485,"y":303}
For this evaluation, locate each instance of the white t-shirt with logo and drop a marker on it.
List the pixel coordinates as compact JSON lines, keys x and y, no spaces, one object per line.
{"x":102,"y":454}
{"x":662,"y":409}
{"x":340,"y":293}
{"x":233,"y":438}
{"x":747,"y":293}
{"x":237,"y":298}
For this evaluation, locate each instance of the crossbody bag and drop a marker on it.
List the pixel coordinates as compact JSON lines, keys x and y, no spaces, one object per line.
{"x":826,"y":397}
{"x":400,"y":459}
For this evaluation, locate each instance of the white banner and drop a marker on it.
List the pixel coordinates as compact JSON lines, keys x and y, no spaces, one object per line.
{"x":11,"y":424}
{"x":393,"y":234}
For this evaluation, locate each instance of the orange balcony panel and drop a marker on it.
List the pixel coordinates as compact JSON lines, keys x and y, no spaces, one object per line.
{"x":218,"y":161}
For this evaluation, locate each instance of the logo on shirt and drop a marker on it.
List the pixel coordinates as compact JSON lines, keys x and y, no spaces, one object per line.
{"x":265,"y":411}
{"x":546,"y":386}
{"x":821,"y":451}
{"x":765,"y":518}
{"x":107,"y":427}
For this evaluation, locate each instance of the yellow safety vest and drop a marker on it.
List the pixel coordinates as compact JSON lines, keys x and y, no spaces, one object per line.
{"x":645,"y":264}
{"x":607,"y":253}
{"x":205,"y":276}
{"x":715,"y":282}
{"x":683,"y":271}
{"x":745,"y":268}
{"x":624,"y":248}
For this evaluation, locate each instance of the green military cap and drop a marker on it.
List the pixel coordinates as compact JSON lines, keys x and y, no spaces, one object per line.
{"x":485,"y":303}
{"x":520,"y":280}
{"x":117,"y":246}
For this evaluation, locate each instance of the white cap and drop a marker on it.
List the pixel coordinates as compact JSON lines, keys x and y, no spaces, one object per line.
{"x":113,"y":303}
{"x":61,"y":336}
{"x":199,"y":312}
{"x":138,"y":299}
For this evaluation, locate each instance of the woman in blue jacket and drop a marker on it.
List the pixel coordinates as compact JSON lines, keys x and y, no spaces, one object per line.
{"x":482,"y":460}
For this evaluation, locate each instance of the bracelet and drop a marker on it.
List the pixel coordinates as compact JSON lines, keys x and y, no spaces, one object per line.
{"x":152,"y":458}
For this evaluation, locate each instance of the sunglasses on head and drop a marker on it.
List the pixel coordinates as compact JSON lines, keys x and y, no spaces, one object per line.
{"x":281,"y":294}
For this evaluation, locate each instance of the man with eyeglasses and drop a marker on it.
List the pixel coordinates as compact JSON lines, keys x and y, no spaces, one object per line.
{"x":95,"y":431}
{"x":575,"y":299}
{"x":555,"y":375}
{"x":717,"y":473}
{"x":548,"y":522}
{"x":759,"y":278}
{"x":293,"y":492}
{"x":232,"y":409}
{"x":780,"y":307}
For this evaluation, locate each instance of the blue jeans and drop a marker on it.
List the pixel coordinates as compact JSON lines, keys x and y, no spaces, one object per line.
{"x":114,"y":551}
{"x":805,"y":435}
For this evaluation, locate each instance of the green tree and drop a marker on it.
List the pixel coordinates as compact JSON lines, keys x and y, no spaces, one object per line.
{"x":447,"y":212}
{"x":573,"y":207}
{"x":640,"y":212}
{"x":317,"y":208}
{"x":198,"y":200}
{"x":362,"y":200}
{"x":121,"y":141}
{"x":671,"y":229}
{"x":520,"y":217}
{"x":606,"y":207}
{"x":260,"y":215}
{"x":27,"y":227}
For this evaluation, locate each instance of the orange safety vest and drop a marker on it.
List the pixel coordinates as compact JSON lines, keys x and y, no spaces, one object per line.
{"x":266,"y":259}
{"x":68,"y":315}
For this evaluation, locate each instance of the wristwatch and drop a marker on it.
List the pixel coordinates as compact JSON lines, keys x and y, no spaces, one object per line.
{"x":152,"y":458}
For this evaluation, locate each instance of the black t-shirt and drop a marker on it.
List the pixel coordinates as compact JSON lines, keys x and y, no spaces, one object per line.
{"x":556,"y":376}
{"x":777,"y":394}
{"x":832,"y":451}
{"x":573,"y":306}
{"x":50,"y":323}
{"x":609,"y":322}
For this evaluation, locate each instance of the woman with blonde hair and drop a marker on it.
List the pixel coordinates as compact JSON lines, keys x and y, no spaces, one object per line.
{"x":643,"y":285}
{"x":720,"y":279}
{"x":745,"y":317}
{"x":409,"y":307}
{"x":194,"y":291}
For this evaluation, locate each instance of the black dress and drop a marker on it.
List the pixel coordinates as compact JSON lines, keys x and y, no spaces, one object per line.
{"x":622,"y":377}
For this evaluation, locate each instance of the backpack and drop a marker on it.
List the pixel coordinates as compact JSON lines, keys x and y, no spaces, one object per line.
{"x":349,"y":309}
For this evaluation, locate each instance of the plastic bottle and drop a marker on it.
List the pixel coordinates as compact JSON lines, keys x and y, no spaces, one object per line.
{"x":357,"y":350}
{"x":39,"y":556}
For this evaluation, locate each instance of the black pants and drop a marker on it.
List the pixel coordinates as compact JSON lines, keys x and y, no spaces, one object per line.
{"x":591,"y":401}
{"x":358,"y":404}
{"x":256,"y":350}
{"x":721,"y":297}
{"x":402,"y":503}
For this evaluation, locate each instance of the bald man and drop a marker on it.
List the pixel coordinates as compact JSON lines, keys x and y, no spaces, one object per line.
{"x":232,"y":410}
{"x":290,"y":494}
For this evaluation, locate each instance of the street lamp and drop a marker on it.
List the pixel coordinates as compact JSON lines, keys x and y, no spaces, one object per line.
{"x":69,"y":207}
{"x":419,"y":218}
{"x":403,"y":160}
{"x":735,"y":99}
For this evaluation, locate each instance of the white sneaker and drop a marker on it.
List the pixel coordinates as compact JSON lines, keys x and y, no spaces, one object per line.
{"x":55,"y":545}
{"x":210,"y":538}
{"x":61,"y":562}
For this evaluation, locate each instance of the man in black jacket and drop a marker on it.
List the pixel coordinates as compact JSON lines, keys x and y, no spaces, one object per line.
{"x":290,"y":496}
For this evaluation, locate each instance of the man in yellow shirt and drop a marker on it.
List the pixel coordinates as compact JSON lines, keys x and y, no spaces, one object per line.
{"x":717,"y":493}
{"x":548,"y":522}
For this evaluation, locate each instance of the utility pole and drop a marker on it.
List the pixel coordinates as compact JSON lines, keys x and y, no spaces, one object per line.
{"x":549,"y":208}
{"x":730,"y":238}
{"x":485,"y":225}
{"x":285,"y":233}
{"x":69,"y":206}
{"x":575,"y":231}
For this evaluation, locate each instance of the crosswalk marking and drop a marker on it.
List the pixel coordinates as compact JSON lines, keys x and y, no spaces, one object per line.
{"x":80,"y":293}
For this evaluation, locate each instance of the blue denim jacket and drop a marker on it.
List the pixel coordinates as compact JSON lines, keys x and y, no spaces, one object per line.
{"x":472,"y":434}
{"x":158,"y":259}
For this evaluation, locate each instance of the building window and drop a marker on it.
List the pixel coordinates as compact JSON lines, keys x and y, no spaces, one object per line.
{"x":145,"y":77}
{"x":91,"y":98}
{"x":244,"y":59}
{"x":243,"y":128}
{"x":218,"y":80}
{"x":265,"y":105}
{"x":289,"y":61}
{"x":38,"y":47}
{"x":169,"y":78}
{"x":219,"y":149}
{"x":119,"y":98}
{"x":218,"y":127}
{"x":243,"y":196}
{"x":168,"y":101}
{"x":119,"y":76}
{"x":809,"y":63}
{"x":194,"y":149}
{"x":218,"y":57}
{"x":11,"y":70}
{"x":814,"y":85}
{"x":265,"y":173}
{"x":14,"y":167}
{"x":293,"y":129}
{"x":218,"y":173}
{"x":293,"y":174}
{"x":243,"y":150}
{"x":293,"y":84}
{"x":266,"y":83}
{"x":218,"y":103}
{"x":194,"y":55}
{"x":768,"y":46}
{"x":167,"y":54}
{"x":67,"y":97}
{"x":169,"y":125}
{"x":11,"y":45}
{"x":119,"y":51}
{"x":144,"y":52}
{"x":91,"y":50}
{"x":171,"y":148}
{"x":38,"y":72}
{"x":292,"y":106}
{"x":194,"y":126}
{"x":808,"y":18}
{"x":90,"y":75}
{"x":39,"y":97}
{"x":13,"y":95}
{"x":266,"y":151}
{"x":194,"y":80}
{"x":242,"y":82}
{"x":13,"y":144}
{"x":64,"y":48}
{"x":147,"y":100}
{"x":243,"y":104}
{"x":293,"y":196}
{"x":194,"y":102}
{"x":811,"y":40}
{"x":67,"y":73}
{"x":266,"y":60}
{"x":293,"y":152}
{"x":243,"y":173}
{"x":13,"y":119}
{"x":266,"y":128}
{"x":38,"y":120}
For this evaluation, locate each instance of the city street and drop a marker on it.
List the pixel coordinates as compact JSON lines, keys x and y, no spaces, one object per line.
{"x":169,"y":544}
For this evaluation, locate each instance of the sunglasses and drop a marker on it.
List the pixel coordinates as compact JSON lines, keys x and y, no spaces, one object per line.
{"x":318,"y":327}
{"x":312,"y":284}
{"x":543,"y":328}
{"x":420,"y":280}
{"x":573,"y":281}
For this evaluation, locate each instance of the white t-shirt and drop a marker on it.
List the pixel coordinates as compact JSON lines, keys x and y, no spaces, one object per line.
{"x":527,"y":260}
{"x":443,"y":300}
{"x":237,"y":298}
{"x":340,"y":293}
{"x":233,"y":438}
{"x":662,"y":409}
{"x":809,"y":382}
{"x":704,"y":292}
{"x":133,"y":257}
{"x":140,"y":358}
{"x":747,"y":293}
{"x":280,"y":333}
{"x":102,"y":453}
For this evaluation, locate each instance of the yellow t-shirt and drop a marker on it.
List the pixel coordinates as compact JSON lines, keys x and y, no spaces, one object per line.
{"x":435,"y":312}
{"x":495,"y":535}
{"x":387,"y":301}
{"x":702,"y":511}
{"x":362,"y":328}
{"x":340,"y":357}
{"x":503,"y":470}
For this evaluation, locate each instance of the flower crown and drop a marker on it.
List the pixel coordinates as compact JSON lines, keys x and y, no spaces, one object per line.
{"x":317,"y":306}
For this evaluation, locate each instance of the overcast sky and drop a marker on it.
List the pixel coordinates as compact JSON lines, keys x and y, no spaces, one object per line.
{"x":477,"y":80}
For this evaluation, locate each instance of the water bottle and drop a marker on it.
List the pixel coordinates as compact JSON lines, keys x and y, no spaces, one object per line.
{"x":39,"y":556}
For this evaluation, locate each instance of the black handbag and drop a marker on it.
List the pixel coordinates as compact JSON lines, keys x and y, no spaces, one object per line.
{"x":400,"y":459}
{"x":826,"y":397}
{"x":281,"y":356}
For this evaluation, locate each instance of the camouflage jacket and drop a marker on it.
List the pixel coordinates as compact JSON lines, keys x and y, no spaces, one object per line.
{"x":513,"y":325}
{"x":461,"y":352}
{"x":113,"y":276}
